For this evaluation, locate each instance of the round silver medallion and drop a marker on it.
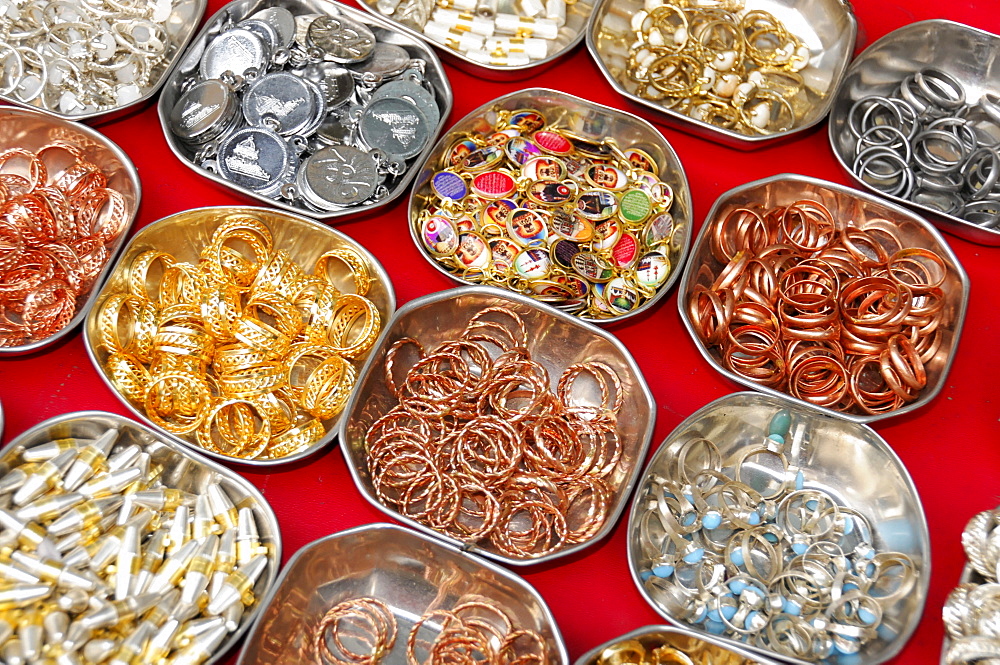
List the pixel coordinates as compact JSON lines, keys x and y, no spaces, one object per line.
{"x":386,"y":60}
{"x":235,"y":51}
{"x":282,"y":21}
{"x":205,"y":112}
{"x":341,"y":39}
{"x":338,"y":176}
{"x":289,"y":99}
{"x":336,"y":82}
{"x":395,"y":126}
{"x":256,"y":158}
{"x":413,"y":92}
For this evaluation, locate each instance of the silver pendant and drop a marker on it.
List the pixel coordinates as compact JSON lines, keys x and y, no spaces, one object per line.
{"x":256,"y":158}
{"x":295,"y":105}
{"x":235,"y":51}
{"x":338,"y":176}
{"x":264,"y":30}
{"x":341,"y":39}
{"x":394,"y":126}
{"x":336,"y":82}
{"x":282,"y":21}
{"x":414,"y":93}
{"x":387,"y":60}
{"x":205,"y":112}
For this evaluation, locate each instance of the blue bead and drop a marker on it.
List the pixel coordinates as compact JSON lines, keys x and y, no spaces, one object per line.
{"x":870,"y":569}
{"x":850,"y":586}
{"x":812,"y":504}
{"x":689,"y":519}
{"x":699,"y":615}
{"x":748,"y":622}
{"x":777,"y":437}
{"x":870,"y":554}
{"x":645,"y":575}
{"x":771,"y":537}
{"x":711,"y":520}
{"x":886,"y":632}
{"x":663,"y":570}
{"x":715,"y":627}
{"x":799,"y":548}
{"x":800,"y":481}
{"x":728,"y":611}
{"x":689,"y":497}
{"x":754,"y":518}
{"x":737,"y":557}
{"x":867,"y":616}
{"x":695,"y":556}
{"x":780,"y":422}
{"x":791,"y":607}
{"x":737,"y":586}
{"x":849,"y":659}
{"x":713,"y":615}
{"x":848,"y":524}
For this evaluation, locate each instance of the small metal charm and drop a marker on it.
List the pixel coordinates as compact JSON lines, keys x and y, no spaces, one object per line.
{"x":236,"y":51}
{"x":256,"y":158}
{"x":396,"y":126}
{"x":337,"y":176}
{"x":205,"y":112}
{"x":296,"y":104}
{"x":341,"y":39}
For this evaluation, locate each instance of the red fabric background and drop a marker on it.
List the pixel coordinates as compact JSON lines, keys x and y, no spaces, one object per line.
{"x":950,"y":447}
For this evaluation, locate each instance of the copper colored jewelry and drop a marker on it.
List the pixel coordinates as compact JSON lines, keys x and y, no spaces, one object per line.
{"x":481,"y":448}
{"x":364,"y":621}
{"x":54,"y":241}
{"x":838,"y":314}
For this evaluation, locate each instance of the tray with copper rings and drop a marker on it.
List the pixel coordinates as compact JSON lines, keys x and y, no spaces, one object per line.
{"x":505,"y":427}
{"x":577,"y":205}
{"x":384,"y":594}
{"x":239,"y":331}
{"x":837,"y":299}
{"x":770,"y":527}
{"x":68,"y":197}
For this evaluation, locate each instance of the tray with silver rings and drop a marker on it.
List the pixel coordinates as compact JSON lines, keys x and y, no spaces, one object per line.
{"x":383,"y":594}
{"x":917,"y":120}
{"x":308,"y":105}
{"x":92,"y":59}
{"x":772,"y":528}
{"x":744,"y":73}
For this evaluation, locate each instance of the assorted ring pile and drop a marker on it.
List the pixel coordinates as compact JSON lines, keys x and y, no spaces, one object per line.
{"x":528,"y":206}
{"x":671,"y":649}
{"x":511,"y":34}
{"x":59,"y":222}
{"x":840,"y":314}
{"x":927,"y":145}
{"x":244,"y":353}
{"x":480,"y":448}
{"x":306,"y":109}
{"x":719,"y":63}
{"x":79,"y":58}
{"x":115,"y":565}
{"x":361,"y":631}
{"x":972,"y":610}
{"x":782,"y":567}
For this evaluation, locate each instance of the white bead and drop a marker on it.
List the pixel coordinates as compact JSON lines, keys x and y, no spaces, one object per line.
{"x":801,"y":58}
{"x":637,"y":20}
{"x":726,"y":84}
{"x":126,"y":94}
{"x":650,"y":5}
{"x":724,"y":61}
{"x":680,"y":36}
{"x":756,"y":77}
{"x":760,"y":115}
{"x":708,"y":76}
{"x":742,"y":93}
{"x":700,"y":112}
{"x":68,"y":103}
{"x":655,"y":37}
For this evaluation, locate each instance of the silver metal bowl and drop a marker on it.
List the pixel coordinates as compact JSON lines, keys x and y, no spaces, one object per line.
{"x":850,"y":462}
{"x":969,"y":576}
{"x":384,"y":31}
{"x":183,"y":236}
{"x":31,"y":129}
{"x":185,"y":15}
{"x":841,"y":201}
{"x":555,"y":340}
{"x":962,"y":51}
{"x":571,"y":34}
{"x":409,"y":572}
{"x":827,"y":27}
{"x":584,"y":118}
{"x":182,"y":469}
{"x":679,"y":637}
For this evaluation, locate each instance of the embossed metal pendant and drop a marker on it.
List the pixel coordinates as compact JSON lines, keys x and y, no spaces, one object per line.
{"x":236,"y":51}
{"x":337,"y":176}
{"x":205,"y":112}
{"x":341,"y":39}
{"x":295,"y":104}
{"x":256,"y":158}
{"x":395,"y":126}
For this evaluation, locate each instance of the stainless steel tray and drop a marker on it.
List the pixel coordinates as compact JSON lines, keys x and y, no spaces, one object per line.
{"x":185,"y":15}
{"x":183,"y":469}
{"x":555,"y":340}
{"x":183,"y":235}
{"x":781,"y":190}
{"x":31,"y":129}
{"x":679,"y":637}
{"x":384,"y":30}
{"x":587,"y":119}
{"x":409,"y":572}
{"x":849,"y":461}
{"x":965,"y":52}
{"x":828,"y":28}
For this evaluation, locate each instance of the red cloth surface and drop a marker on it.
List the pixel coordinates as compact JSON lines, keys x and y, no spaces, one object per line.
{"x":950,"y":447}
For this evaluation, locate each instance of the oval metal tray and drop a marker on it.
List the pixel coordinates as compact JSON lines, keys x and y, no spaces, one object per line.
{"x":782,"y":190}
{"x":957,"y":49}
{"x":555,"y":340}
{"x":184,"y":470}
{"x":183,"y":235}
{"x":683,"y":639}
{"x":848,"y":461}
{"x":384,"y":30}
{"x":409,"y":572}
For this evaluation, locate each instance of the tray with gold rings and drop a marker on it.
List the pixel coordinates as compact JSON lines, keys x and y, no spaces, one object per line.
{"x":825,"y":29}
{"x":183,"y":236}
{"x":32,"y":130}
{"x":596,"y":134}
{"x":860,"y":209}
{"x":407,"y":575}
{"x":845,"y":465}
{"x":701,"y":649}
{"x":183,"y":469}
{"x":554,"y":340}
